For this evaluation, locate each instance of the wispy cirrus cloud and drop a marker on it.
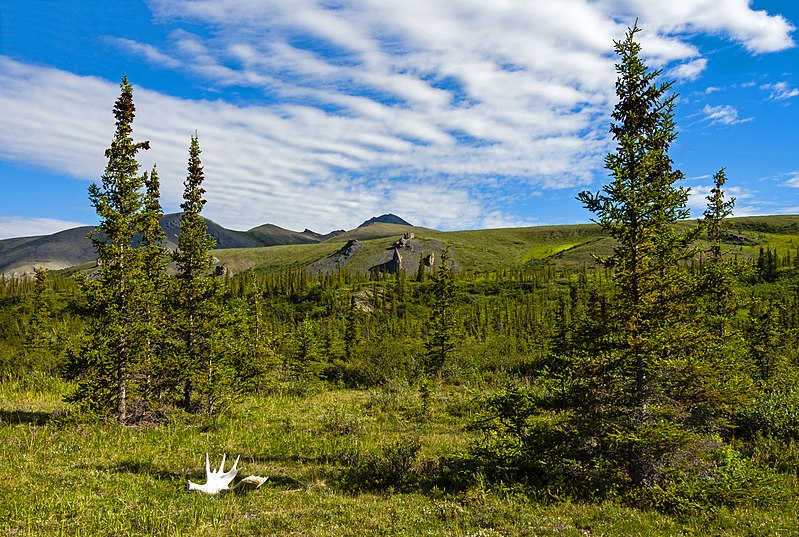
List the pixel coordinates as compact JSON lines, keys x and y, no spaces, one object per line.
{"x":428,"y":108}
{"x":723,"y":115}
{"x":780,"y":91}
{"x":756,"y":30}
{"x":149,"y":52}
{"x":689,"y":70}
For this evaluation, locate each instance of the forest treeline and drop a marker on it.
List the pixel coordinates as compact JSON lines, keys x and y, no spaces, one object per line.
{"x":666,"y":375}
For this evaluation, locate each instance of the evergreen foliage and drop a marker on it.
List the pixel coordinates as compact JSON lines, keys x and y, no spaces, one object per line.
{"x":647,"y":374}
{"x":441,"y":328}
{"x":721,"y":275}
{"x":636,"y":403}
{"x":106,"y":364}
{"x":156,"y":290}
{"x":39,"y":334}
{"x":197,"y":311}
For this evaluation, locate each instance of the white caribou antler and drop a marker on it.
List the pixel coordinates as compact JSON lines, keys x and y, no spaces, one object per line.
{"x":215,"y":481}
{"x":218,"y":481}
{"x":251,"y":482}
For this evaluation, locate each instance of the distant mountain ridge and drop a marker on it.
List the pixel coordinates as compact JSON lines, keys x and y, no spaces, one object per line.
{"x":71,"y":247}
{"x":386,"y":219}
{"x":386,"y":247}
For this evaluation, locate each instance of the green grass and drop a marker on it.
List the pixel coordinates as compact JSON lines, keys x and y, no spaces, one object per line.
{"x":272,"y":258}
{"x":489,"y":250}
{"x":104,"y":479}
{"x":479,"y":250}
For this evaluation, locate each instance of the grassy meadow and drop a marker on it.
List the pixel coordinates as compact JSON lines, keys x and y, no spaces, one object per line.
{"x":62,"y":478}
{"x":366,"y":460}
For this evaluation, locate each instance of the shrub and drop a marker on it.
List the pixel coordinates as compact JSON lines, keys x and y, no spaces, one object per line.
{"x":377,"y":364}
{"x":773,"y":453}
{"x":388,"y":468}
{"x":722,"y":477}
{"x":776,"y":414}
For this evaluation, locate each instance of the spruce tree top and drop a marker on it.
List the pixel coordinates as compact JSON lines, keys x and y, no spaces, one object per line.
{"x":642,"y":203}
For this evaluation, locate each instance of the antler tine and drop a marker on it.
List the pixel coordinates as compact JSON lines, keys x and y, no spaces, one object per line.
{"x":232,"y":473}
{"x":207,"y":465}
{"x":222,"y":466}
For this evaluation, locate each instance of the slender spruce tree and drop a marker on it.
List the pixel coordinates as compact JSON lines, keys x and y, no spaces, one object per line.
{"x":640,"y":209}
{"x":40,"y":335}
{"x":720,"y":274}
{"x":719,"y":207}
{"x":156,"y":375}
{"x":196,"y":301}
{"x":351,"y":329}
{"x":640,"y":397}
{"x":111,"y":351}
{"x":441,"y":327}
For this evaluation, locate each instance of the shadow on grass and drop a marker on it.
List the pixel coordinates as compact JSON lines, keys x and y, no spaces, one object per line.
{"x":284,"y":481}
{"x":143,"y":467}
{"x":319,"y":460}
{"x":131,"y":466}
{"x":18,"y":417}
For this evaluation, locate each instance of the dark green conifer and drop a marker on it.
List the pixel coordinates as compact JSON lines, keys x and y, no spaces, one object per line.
{"x":351,"y":330}
{"x":640,"y":209}
{"x":720,"y":274}
{"x":440,"y":341}
{"x":112,"y":349}
{"x":39,"y":334}
{"x":638,"y":395}
{"x":196,"y":301}
{"x":156,"y":373}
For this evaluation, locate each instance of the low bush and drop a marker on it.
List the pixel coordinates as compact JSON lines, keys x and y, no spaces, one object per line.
{"x":775,"y":414}
{"x":388,"y":468}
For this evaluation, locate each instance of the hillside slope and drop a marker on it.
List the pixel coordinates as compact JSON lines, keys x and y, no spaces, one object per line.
{"x":53,"y":252}
{"x":372,"y":248}
{"x":379,"y":246}
{"x":19,"y":256}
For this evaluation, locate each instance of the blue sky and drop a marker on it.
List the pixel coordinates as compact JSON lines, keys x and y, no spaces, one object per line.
{"x":454,"y":114}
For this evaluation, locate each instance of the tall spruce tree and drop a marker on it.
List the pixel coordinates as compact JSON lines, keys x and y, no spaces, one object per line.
{"x":719,"y":207}
{"x":111,"y":352}
{"x":720,"y":274}
{"x":441,"y":326}
{"x":155,"y":286}
{"x":40,"y":335}
{"x":639,"y":398}
{"x":663,"y":380}
{"x":351,"y":329}
{"x":640,"y":209}
{"x":196,"y":301}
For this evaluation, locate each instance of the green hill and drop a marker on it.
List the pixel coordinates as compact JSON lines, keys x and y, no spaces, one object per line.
{"x":487,"y":250}
{"x":271,"y":248}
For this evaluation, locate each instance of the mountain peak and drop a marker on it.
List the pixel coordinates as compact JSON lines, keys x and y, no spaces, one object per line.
{"x":386,"y":219}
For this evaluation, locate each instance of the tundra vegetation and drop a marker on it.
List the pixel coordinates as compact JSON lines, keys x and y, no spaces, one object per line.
{"x":652,"y":390}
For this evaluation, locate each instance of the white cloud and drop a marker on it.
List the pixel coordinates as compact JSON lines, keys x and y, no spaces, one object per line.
{"x":286,"y":166}
{"x":20,"y":226}
{"x":418,"y":106}
{"x":697,"y":199}
{"x":781,"y":91}
{"x":757,"y":30}
{"x":792,"y":180}
{"x":148,"y":51}
{"x":689,"y":70}
{"x":724,"y":115}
